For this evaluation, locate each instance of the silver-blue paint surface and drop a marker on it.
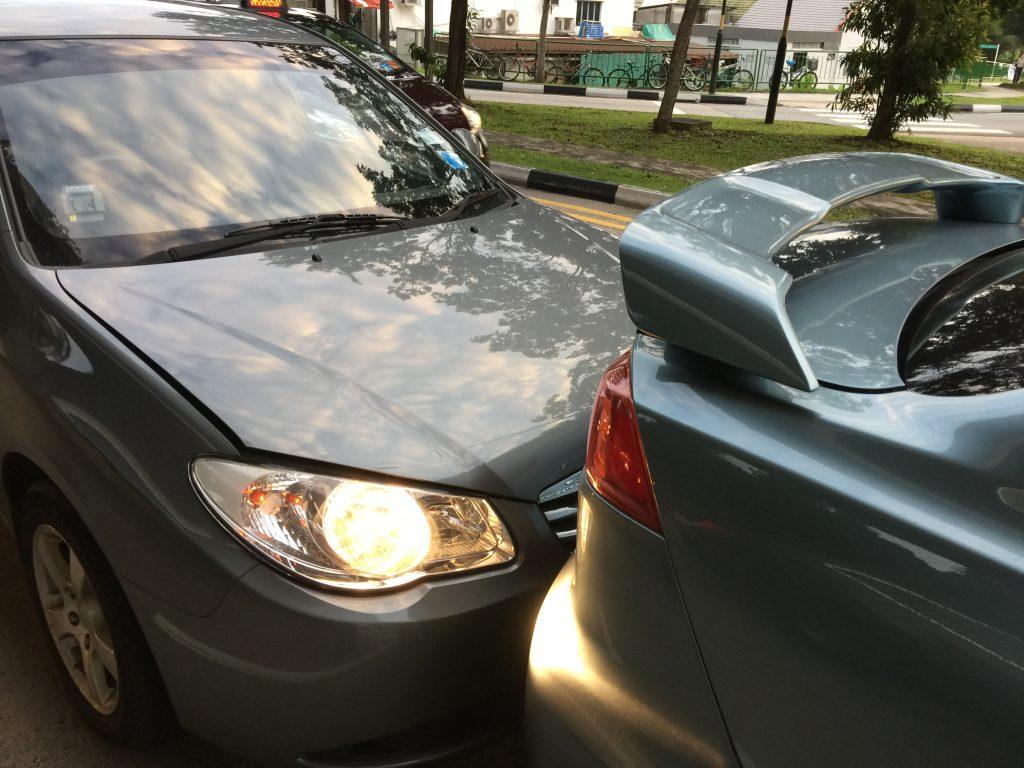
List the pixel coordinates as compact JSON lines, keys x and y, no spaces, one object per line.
{"x":697,"y":269}
{"x":850,"y":564}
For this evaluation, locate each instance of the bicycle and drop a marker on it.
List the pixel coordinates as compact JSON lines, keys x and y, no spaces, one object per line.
{"x":731,"y":77}
{"x":693,"y":78}
{"x":802,"y":78}
{"x":633,"y":75}
{"x":480,"y":63}
{"x":518,"y":66}
{"x":569,"y":69}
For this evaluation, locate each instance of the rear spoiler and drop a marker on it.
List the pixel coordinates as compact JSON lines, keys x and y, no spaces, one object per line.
{"x":697,"y":269}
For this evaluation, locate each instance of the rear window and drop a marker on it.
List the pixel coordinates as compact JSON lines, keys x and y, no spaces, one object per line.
{"x":968,"y":337}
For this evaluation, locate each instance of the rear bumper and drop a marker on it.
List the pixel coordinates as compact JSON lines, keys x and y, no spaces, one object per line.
{"x":615,"y":677}
{"x":287,"y":675}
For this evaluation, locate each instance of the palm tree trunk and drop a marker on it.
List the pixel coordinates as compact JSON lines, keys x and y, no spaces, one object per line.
{"x":542,"y":42}
{"x":680,"y":47}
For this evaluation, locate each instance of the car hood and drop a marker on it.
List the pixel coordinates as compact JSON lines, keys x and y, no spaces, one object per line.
{"x":443,"y":106}
{"x":439,"y":354}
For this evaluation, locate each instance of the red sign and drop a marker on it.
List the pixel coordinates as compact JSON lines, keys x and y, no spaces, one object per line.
{"x":264,"y":5}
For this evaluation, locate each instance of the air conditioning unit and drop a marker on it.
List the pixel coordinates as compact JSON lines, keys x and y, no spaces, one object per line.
{"x":510,"y":21}
{"x":489,"y":25}
{"x":564,"y":25}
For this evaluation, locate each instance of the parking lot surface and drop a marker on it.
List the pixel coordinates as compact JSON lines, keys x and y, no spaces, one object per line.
{"x":39,"y":726}
{"x":613,"y":219}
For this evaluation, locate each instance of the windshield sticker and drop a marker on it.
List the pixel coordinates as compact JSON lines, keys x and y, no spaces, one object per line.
{"x":83,"y":203}
{"x":454,"y":160}
{"x":333,"y":127}
{"x":431,"y":138}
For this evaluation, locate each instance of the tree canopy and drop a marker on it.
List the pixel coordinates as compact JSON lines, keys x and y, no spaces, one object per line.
{"x":910,"y":49}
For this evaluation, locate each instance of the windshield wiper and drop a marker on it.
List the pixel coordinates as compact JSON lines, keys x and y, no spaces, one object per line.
{"x":471,"y":200}
{"x":272,"y":230}
{"x":320,"y":221}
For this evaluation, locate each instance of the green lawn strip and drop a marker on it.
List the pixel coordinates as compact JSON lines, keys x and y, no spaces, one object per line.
{"x":587,"y":169}
{"x":959,"y":85}
{"x":617,"y":175}
{"x":729,"y":143}
{"x":984,"y":99}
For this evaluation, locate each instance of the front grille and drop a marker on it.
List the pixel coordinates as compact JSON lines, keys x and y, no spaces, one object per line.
{"x":560,"y":505}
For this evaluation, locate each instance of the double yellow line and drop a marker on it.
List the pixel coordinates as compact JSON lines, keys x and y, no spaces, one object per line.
{"x":589,"y":215}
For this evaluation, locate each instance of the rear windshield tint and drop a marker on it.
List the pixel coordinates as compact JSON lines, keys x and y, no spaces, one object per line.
{"x":969,"y":340}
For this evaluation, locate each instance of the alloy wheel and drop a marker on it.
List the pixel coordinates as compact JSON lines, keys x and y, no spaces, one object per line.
{"x":75,"y":619}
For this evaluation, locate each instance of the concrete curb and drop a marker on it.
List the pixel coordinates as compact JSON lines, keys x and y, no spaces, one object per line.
{"x":987,"y":108}
{"x":563,"y":184}
{"x":645,"y":94}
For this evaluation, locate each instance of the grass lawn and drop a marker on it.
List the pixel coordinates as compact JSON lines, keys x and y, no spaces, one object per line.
{"x":729,"y":143}
{"x":588,"y":170}
{"x":958,"y":86}
{"x":984,"y":99}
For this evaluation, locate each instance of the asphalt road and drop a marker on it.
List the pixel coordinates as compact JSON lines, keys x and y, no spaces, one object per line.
{"x":613,"y":219}
{"x":999,"y":130}
{"x":40,"y":728}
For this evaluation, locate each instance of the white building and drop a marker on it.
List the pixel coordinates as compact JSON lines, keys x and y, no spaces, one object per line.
{"x":753,"y":28}
{"x":616,"y":16}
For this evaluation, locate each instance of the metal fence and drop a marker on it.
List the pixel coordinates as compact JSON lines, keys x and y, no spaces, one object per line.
{"x":639,"y":64}
{"x":646,"y":66}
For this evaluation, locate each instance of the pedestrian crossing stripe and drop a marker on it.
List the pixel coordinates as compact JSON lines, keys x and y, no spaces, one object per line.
{"x":928,"y":125}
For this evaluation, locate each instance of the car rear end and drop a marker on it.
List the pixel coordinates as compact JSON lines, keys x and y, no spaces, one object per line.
{"x":797,"y":512}
{"x":616,"y":676}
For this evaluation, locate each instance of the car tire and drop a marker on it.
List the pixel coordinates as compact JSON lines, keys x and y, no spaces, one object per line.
{"x":130,"y":705}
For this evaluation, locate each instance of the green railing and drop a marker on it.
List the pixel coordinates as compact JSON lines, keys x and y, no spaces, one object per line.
{"x":646,"y":66}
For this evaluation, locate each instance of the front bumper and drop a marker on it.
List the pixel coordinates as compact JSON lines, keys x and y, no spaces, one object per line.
{"x":615,"y":677}
{"x":287,"y":675}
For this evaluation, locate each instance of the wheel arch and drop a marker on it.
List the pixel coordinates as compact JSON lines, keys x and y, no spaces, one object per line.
{"x":17,"y":473}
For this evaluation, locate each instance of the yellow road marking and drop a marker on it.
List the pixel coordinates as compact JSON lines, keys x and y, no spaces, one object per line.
{"x":592,"y":220}
{"x":605,"y":214}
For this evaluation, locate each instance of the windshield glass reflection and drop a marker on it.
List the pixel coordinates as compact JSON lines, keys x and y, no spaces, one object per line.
{"x":121,"y":148}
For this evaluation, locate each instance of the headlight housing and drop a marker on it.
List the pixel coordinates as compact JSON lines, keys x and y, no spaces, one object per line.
{"x":473,"y":118}
{"x":351,"y":534}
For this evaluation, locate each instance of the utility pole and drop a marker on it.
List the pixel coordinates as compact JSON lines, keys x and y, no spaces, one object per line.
{"x":718,"y":50}
{"x":780,"y":56}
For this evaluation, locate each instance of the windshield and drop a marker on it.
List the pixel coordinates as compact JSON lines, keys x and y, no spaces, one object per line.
{"x":356,"y":42}
{"x":119,"y":148}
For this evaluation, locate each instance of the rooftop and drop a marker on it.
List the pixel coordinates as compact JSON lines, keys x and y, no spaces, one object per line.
{"x":808,"y":15}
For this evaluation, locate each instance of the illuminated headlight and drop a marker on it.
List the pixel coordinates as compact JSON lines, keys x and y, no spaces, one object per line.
{"x":352,"y":534}
{"x":473,"y":118}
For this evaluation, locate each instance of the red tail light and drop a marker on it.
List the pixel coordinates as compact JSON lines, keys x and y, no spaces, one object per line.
{"x":616,"y":465}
